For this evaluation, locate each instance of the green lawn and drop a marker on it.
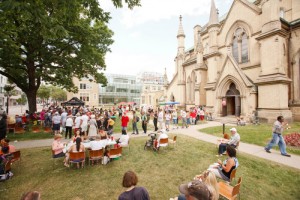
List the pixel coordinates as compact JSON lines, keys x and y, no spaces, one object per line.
{"x":256,"y":134}
{"x":159,"y":173}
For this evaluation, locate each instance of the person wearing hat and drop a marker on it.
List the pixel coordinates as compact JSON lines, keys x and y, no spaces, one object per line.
{"x":57,"y":148}
{"x":235,"y":138}
{"x":195,"y":190}
{"x":56,"y":121}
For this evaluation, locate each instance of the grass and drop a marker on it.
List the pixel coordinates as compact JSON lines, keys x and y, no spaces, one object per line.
{"x":29,"y":136}
{"x":256,"y":134}
{"x":160,"y":173}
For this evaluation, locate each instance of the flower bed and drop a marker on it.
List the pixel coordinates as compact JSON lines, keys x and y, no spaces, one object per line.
{"x":292,"y":139}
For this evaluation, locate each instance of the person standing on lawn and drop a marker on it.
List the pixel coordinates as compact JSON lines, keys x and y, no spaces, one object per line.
{"x":277,"y":138}
{"x":155,"y":117}
{"x":124,"y":123}
{"x":134,"y":123}
{"x":144,"y":122}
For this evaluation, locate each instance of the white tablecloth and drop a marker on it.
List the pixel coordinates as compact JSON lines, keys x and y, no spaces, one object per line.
{"x":88,"y":144}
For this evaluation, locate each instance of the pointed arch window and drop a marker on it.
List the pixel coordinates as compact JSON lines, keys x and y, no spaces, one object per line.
{"x":235,"y":51}
{"x":240,"y":46}
{"x":244,"y":48}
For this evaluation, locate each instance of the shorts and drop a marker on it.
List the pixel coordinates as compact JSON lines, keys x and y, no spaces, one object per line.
{"x":61,"y":154}
{"x":56,"y":127}
{"x":167,"y":122}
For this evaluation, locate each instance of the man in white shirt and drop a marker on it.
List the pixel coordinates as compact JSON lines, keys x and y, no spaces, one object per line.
{"x":234,"y":140}
{"x":160,"y":119}
{"x":84,"y":123}
{"x":63,"y":115}
{"x":183,"y":116}
{"x":69,"y":125}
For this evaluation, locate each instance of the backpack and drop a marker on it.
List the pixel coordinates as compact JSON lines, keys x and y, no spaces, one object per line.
{"x":137,"y":119}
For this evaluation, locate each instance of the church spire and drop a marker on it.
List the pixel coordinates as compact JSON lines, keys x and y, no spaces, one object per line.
{"x":180,"y":29}
{"x":166,"y":82}
{"x":213,"y":19}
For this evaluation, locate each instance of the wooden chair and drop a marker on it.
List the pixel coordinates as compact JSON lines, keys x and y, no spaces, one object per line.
{"x":163,"y":141}
{"x":95,"y":155}
{"x":77,"y":157}
{"x":173,"y":141}
{"x":11,"y":128}
{"x":228,"y":191}
{"x":19,"y":129}
{"x":16,"y":156}
{"x":115,"y":153}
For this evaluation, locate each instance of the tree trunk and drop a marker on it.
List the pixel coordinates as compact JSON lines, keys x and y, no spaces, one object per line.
{"x":7,"y":104}
{"x":31,"y":96}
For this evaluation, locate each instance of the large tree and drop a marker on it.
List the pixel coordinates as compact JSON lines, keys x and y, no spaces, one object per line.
{"x":53,"y":41}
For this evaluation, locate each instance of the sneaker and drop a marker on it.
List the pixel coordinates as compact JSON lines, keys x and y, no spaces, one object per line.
{"x":287,"y":155}
{"x":267,"y":150}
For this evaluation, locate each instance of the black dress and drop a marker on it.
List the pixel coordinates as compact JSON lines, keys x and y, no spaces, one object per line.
{"x":3,"y":127}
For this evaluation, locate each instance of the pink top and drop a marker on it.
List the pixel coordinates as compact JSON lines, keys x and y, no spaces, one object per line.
{"x":11,"y":148}
{"x":42,"y":115}
{"x":57,"y":147}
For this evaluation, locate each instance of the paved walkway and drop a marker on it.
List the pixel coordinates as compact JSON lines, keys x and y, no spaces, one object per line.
{"x":192,"y":131}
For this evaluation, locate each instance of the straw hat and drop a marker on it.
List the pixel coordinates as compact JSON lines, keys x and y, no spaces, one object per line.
{"x":56,"y":136}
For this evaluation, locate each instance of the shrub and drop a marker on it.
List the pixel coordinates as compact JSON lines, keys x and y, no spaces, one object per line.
{"x":292,"y":139}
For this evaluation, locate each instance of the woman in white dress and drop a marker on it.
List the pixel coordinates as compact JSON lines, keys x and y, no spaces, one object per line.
{"x":92,"y":126}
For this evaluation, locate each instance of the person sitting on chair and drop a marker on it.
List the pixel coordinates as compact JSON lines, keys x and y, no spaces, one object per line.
{"x":130,"y":180}
{"x":77,"y":147}
{"x":235,"y":138}
{"x":223,"y":169}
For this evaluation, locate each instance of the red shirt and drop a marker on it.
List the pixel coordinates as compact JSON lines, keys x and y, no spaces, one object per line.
{"x":193,"y":114}
{"x":125,"y":120}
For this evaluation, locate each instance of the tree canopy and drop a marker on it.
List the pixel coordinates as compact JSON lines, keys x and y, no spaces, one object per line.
{"x":53,"y":41}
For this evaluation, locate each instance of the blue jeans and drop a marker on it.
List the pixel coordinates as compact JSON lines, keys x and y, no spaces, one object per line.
{"x":277,"y":139}
{"x":181,"y":197}
{"x":134,"y":128}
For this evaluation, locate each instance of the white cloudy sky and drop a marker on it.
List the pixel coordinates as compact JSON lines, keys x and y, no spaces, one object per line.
{"x":145,"y":37}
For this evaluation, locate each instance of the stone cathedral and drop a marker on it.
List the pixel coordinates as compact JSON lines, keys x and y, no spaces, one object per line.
{"x":245,"y":62}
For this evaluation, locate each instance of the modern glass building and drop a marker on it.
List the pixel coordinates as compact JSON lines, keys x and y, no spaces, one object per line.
{"x":120,"y":88}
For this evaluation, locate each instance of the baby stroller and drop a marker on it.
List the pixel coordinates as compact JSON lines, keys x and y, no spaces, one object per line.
{"x":151,"y":143}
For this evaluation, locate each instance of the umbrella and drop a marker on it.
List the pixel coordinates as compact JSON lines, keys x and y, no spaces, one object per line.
{"x":169,"y":103}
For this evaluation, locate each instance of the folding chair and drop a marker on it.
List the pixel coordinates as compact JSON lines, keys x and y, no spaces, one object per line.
{"x":95,"y":155}
{"x":11,"y":128}
{"x":16,"y":156}
{"x":77,"y":157}
{"x":163,"y":142}
{"x":173,"y":141}
{"x":115,"y":153}
{"x":228,"y":191}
